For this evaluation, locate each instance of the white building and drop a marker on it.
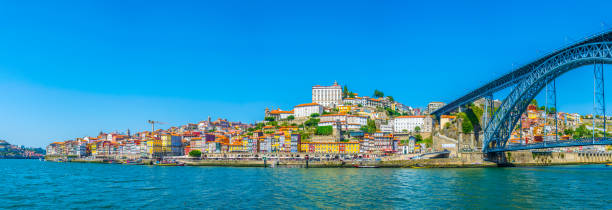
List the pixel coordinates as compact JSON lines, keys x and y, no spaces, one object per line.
{"x":328,"y":96}
{"x":351,"y":122}
{"x":305,"y":110}
{"x":278,"y":114}
{"x":409,"y":123}
{"x":386,"y":128}
{"x":433,"y":106}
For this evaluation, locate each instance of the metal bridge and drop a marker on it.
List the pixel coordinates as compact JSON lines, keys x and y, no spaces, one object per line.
{"x":527,"y":81}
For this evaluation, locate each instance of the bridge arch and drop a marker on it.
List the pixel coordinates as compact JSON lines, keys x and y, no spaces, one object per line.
{"x":499,"y":128}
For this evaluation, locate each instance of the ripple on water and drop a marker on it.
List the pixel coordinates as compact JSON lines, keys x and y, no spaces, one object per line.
{"x":35,"y":184}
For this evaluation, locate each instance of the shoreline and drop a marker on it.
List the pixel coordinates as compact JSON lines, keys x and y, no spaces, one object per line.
{"x":427,"y":163}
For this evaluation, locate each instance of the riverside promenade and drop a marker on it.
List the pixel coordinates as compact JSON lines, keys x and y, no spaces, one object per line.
{"x":466,"y":160}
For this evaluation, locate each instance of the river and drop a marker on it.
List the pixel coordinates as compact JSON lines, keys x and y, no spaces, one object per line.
{"x":37,"y":184}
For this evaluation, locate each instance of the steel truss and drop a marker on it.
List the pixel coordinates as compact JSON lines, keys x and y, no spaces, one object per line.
{"x":599,"y":102}
{"x":498,"y":130}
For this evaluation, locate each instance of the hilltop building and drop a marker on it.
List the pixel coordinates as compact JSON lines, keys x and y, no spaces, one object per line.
{"x":327,"y":96}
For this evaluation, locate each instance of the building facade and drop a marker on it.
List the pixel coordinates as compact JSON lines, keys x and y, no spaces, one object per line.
{"x":328,"y":96}
{"x":409,"y":123}
{"x":305,"y":110}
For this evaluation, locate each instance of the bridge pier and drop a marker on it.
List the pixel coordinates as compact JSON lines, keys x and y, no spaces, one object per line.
{"x":498,"y":157}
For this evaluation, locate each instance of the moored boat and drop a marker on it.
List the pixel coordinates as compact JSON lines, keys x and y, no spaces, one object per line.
{"x":170,"y":164}
{"x":359,"y":166}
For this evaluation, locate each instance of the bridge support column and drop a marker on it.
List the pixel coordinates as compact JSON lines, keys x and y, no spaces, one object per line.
{"x":499,"y":158}
{"x":551,"y":107}
{"x":599,"y":102}
{"x":488,"y":109}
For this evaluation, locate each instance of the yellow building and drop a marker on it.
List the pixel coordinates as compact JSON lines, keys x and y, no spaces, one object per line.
{"x":154,"y":146}
{"x":330,"y":147}
{"x":236,"y":147}
{"x":93,"y":149}
{"x":343,"y":109}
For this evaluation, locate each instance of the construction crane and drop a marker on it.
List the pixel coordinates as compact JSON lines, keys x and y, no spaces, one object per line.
{"x":153,"y":124}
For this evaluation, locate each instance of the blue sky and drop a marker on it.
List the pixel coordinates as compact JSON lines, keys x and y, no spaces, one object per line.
{"x":74,"y":68}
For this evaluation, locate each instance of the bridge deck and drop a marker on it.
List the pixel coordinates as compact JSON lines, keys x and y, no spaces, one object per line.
{"x":514,"y":76}
{"x":554,"y":144}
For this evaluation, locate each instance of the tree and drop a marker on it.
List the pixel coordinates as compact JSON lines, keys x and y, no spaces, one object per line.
{"x":324,"y":130}
{"x":417,"y":129}
{"x":269,"y":118}
{"x":351,"y":95}
{"x":378,"y":94}
{"x":447,"y":125}
{"x":195,"y":153}
{"x":466,"y":124}
{"x":418,"y":137}
{"x":345,"y":92}
{"x":311,"y":122}
{"x":314,"y":115}
{"x":391,"y":98}
{"x":370,"y":127}
{"x":534,"y":102}
{"x":290,"y":117}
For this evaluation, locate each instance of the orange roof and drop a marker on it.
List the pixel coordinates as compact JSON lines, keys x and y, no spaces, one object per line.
{"x":281,"y":112}
{"x":331,"y":142}
{"x":308,"y":104}
{"x":448,"y":116}
{"x":325,"y":115}
{"x":416,"y":116}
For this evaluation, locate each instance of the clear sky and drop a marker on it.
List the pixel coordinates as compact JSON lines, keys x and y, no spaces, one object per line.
{"x":74,"y":68}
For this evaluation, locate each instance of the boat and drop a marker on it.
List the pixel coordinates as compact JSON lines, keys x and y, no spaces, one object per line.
{"x":418,"y":166}
{"x":358,"y":166}
{"x":608,"y":164}
{"x":170,"y":164}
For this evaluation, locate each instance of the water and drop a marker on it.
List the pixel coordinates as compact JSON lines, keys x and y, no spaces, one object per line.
{"x":36,"y":184}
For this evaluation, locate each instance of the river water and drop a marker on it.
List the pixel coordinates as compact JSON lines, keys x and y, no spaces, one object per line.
{"x":35,"y":184}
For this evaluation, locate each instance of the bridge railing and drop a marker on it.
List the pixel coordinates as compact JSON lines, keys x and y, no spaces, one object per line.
{"x":555,"y":144}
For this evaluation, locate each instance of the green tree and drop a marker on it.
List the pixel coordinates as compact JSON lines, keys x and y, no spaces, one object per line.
{"x":324,"y":130}
{"x":314,"y":115}
{"x":466,"y":124}
{"x":312,"y":122}
{"x":272,"y":123}
{"x":378,"y":94}
{"x":269,"y":118}
{"x":534,"y":102}
{"x":351,"y":95}
{"x":195,"y":153}
{"x":290,"y":117}
{"x":370,"y":127}
{"x":417,"y":129}
{"x":391,"y":98}
{"x":345,"y":92}
{"x":447,"y":125}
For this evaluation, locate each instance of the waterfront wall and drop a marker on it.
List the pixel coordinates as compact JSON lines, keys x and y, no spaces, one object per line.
{"x":526,"y":158}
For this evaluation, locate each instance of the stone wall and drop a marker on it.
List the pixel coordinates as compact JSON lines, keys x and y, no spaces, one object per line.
{"x":555,"y":158}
